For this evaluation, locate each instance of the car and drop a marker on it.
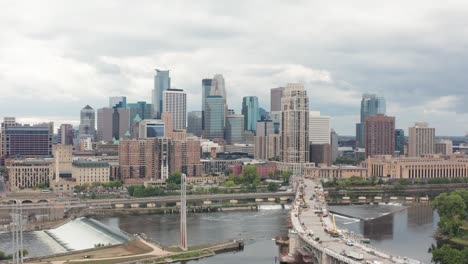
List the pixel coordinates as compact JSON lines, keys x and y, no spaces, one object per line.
{"x":349,"y":242}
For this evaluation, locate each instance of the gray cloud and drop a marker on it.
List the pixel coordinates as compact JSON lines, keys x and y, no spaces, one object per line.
{"x":56,"y":57}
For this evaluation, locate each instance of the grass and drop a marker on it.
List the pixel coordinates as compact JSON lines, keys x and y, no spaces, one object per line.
{"x":112,"y":261}
{"x":182,"y":256}
{"x":177,"y":249}
{"x":460,"y":241}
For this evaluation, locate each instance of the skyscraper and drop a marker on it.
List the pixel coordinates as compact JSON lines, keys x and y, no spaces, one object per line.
{"x":214,"y":117}
{"x":162,"y":82}
{"x":380,"y":135}
{"x":65,"y":134}
{"x":151,"y":128}
{"x":113,"y":123}
{"x":371,"y":105}
{"x":421,"y":140}
{"x":275,"y":99}
{"x":218,"y":88}
{"x":194,"y":123}
{"x":319,"y":128}
{"x":294,"y":124}
{"x":234,"y":129}
{"x":267,"y":143}
{"x":118,"y":102}
{"x":400,"y":141}
{"x":87,"y":126}
{"x":250,"y":112}
{"x":206,"y":88}
{"x":175,"y":103}
{"x":334,"y":145}
{"x":444,"y":147}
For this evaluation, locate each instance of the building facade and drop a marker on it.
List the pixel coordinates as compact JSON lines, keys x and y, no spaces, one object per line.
{"x":113,"y":123}
{"x":275,"y":99}
{"x":65,"y":134}
{"x":88,"y":171}
{"x":19,"y":140}
{"x":294,"y":124}
{"x":87,"y":126}
{"x":319,"y":128}
{"x":214,"y":117}
{"x":444,"y":147}
{"x":380,"y":135}
{"x":400,"y":141}
{"x":28,"y":173}
{"x":194,"y":123}
{"x":234,"y":129}
{"x":206,"y":88}
{"x":152,"y":128}
{"x":371,"y":105}
{"x":250,"y":112}
{"x":421,"y":140}
{"x":175,"y":103}
{"x":162,"y":82}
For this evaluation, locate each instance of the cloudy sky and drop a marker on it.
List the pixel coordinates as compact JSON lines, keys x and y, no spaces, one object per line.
{"x":57,"y":56}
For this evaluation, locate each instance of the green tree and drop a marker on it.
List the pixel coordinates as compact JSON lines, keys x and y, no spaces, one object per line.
{"x":229,"y":183}
{"x":272,"y":187}
{"x":285,"y":175}
{"x":449,"y":255}
{"x":250,"y":174}
{"x":174,"y":178}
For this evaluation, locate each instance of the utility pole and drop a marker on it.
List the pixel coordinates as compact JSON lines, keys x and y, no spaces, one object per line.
{"x":183,"y":212}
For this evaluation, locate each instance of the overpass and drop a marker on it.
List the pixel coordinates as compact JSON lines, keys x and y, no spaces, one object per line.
{"x":310,"y":239}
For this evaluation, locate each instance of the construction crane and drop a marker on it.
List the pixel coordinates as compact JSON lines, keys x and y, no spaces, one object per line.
{"x":334,"y":232}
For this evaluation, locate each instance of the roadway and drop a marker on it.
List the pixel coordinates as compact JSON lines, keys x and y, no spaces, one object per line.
{"x":159,"y":199}
{"x":311,"y":226}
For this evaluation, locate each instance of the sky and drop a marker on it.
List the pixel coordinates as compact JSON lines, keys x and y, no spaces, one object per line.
{"x":58,"y":56}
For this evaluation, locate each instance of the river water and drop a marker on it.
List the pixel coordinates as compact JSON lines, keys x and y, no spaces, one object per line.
{"x":398,"y":229}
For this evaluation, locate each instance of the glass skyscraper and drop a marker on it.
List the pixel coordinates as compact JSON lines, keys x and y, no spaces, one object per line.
{"x":234,"y":129}
{"x":162,"y":82}
{"x":214,"y":117}
{"x":400,"y":141}
{"x":371,"y":105}
{"x":206,"y":87}
{"x":250,"y":112}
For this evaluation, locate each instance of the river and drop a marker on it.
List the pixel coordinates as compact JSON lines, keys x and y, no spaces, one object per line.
{"x":401,"y":230}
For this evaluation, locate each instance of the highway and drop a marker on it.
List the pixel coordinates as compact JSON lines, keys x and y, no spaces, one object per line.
{"x":69,"y":203}
{"x":311,"y":226}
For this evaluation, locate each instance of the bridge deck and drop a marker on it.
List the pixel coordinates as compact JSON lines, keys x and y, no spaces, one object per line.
{"x":306,"y":222}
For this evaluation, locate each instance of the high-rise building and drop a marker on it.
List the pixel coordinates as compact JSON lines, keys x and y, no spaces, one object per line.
{"x":218,"y":88}
{"x":267,"y":143}
{"x":294,"y":124}
{"x":26,"y":140}
{"x":141,"y":108}
{"x":87,"y":126}
{"x":250,"y":112}
{"x":444,"y":147}
{"x":206,"y":88}
{"x":265,"y":128}
{"x":321,"y":154}
{"x":263,"y":114}
{"x":334,"y":145}
{"x":275,"y":99}
{"x":175,"y":103}
{"x":194,"y":123}
{"x":400,"y":141}
{"x":118,"y":102}
{"x":234,"y":130}
{"x":319,"y":128}
{"x":380,"y":135}
{"x":421,"y":140}
{"x":65,"y":134}
{"x":162,"y":82}
{"x":214,"y":117}
{"x":151,"y":128}
{"x":113,"y":123}
{"x":371,"y":105}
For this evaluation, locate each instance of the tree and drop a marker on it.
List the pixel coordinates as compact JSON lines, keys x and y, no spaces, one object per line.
{"x":285,"y":175}
{"x":174,"y":178}
{"x":449,"y":255}
{"x":272,"y":187}
{"x":229,"y":184}
{"x":250,"y":174}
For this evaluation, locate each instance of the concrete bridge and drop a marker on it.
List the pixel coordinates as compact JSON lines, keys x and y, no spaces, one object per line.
{"x":310,"y":239}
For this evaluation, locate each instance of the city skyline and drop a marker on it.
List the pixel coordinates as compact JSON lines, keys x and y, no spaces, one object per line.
{"x":86,"y":65}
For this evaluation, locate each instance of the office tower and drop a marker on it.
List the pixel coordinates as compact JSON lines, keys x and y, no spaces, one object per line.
{"x":113,"y":123}
{"x":162,"y":82}
{"x":380,"y":135}
{"x":421,"y":140}
{"x":214,"y":117}
{"x":334,"y":145}
{"x":267,"y":143}
{"x":263,"y":114}
{"x":175,"y":103}
{"x":206,"y":88}
{"x":26,"y":140}
{"x":63,"y":158}
{"x":231,"y":112}
{"x":444,"y":147}
{"x":118,"y":102}
{"x":234,"y":132}
{"x":194,"y":123}
{"x":250,"y":112}
{"x":294,"y":124}
{"x":141,"y":108}
{"x":371,"y":105}
{"x":218,"y":89}
{"x":275,"y":99}
{"x":319,"y":128}
{"x":65,"y":134}
{"x":87,"y":126}
{"x":321,"y":154}
{"x":400,"y":141}
{"x":151,"y":128}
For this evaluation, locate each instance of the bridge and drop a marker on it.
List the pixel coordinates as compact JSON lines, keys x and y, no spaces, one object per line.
{"x":310,"y":235}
